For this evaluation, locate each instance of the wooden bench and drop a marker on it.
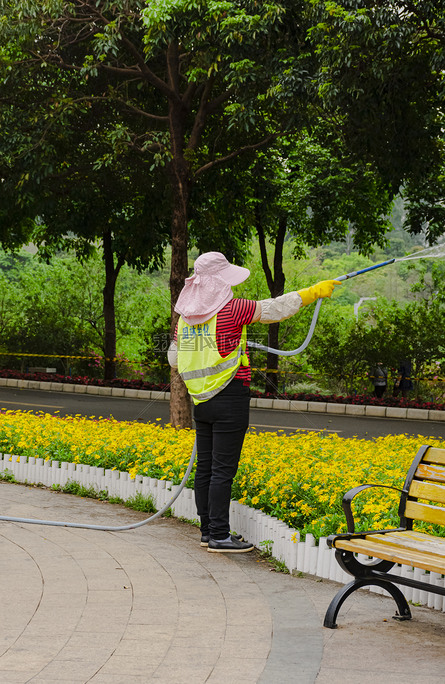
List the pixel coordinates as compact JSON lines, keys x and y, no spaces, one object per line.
{"x":422,"y":498}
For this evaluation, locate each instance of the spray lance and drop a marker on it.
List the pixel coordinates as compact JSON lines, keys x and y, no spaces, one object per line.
{"x":294,"y":352}
{"x":132,"y":526}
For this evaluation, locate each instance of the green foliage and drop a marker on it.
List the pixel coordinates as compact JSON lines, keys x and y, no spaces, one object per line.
{"x":267,"y":545}
{"x":168,"y":513}
{"x":326,"y":190}
{"x":139,"y":502}
{"x":266,"y":553}
{"x":115,"y":500}
{"x":55,"y":308}
{"x":7,"y":475}
{"x":388,"y":333}
{"x":46,"y":311}
{"x":338,"y":349}
{"x":381,"y":68}
{"x":194,"y":522}
{"x":73,"y":487}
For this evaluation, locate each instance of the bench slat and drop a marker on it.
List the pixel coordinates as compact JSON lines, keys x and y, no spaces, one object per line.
{"x":425,"y":512}
{"x":430,"y":472}
{"x":415,"y":534}
{"x":435,"y":455}
{"x":409,"y":557}
{"x":427,"y":490}
{"x":430,"y":544}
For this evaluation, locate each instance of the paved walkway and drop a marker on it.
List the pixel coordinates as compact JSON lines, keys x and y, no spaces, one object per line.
{"x":150,"y":605}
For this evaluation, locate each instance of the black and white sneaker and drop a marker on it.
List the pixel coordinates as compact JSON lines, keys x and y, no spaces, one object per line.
{"x":205,"y":538}
{"x":234,"y":545}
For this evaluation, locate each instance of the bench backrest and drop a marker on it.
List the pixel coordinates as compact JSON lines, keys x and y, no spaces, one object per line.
{"x":424,"y":486}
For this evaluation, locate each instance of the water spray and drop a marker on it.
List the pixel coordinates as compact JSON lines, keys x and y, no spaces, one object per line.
{"x":434,"y":252}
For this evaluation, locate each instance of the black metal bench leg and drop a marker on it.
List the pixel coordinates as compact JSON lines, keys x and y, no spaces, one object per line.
{"x":404,"y":612}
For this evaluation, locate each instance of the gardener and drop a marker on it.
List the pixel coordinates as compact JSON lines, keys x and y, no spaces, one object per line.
{"x":210,"y":353}
{"x":379,"y":376}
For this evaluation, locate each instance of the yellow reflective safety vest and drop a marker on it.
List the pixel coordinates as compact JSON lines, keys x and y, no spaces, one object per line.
{"x":201,"y":366}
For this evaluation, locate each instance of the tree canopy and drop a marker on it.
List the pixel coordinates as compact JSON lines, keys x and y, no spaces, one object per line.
{"x":381,"y":76}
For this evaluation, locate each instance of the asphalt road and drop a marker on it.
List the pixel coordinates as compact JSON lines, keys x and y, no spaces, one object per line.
{"x":260,"y":419}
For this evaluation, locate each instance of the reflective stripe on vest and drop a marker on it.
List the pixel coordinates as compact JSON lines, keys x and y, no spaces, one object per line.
{"x":201,"y":366}
{"x":203,"y":372}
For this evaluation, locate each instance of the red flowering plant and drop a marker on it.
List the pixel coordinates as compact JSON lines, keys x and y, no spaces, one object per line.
{"x":85,"y":380}
{"x":361,"y":399}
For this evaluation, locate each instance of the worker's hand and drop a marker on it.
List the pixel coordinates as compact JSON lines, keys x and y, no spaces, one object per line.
{"x":322,"y":289}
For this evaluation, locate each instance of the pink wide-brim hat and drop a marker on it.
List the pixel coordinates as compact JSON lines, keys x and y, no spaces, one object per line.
{"x":209,"y":289}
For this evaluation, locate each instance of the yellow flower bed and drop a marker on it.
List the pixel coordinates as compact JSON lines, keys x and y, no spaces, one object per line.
{"x":301,"y":478}
{"x":298,"y":478}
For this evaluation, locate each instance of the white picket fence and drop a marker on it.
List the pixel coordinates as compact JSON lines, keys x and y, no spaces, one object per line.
{"x":260,"y":529}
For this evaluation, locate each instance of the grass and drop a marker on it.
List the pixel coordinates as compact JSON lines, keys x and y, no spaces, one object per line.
{"x":266,"y":554}
{"x":7,"y":476}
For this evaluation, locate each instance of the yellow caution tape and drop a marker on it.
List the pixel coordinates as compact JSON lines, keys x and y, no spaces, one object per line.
{"x":161,"y":364}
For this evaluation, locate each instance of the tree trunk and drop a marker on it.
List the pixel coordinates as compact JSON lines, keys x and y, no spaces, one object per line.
{"x":275,"y":282}
{"x":180,"y":408}
{"x":111,"y":274}
{"x":272,"y":374}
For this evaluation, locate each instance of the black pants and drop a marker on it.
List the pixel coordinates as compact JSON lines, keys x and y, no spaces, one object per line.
{"x":221,"y":424}
{"x":379,"y":390}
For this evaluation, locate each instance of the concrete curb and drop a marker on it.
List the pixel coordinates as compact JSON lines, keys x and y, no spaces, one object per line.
{"x":349,"y":409}
{"x":270,"y":403}
{"x":85,"y":389}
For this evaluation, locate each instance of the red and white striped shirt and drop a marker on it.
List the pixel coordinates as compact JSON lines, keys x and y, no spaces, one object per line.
{"x":229,"y":325}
